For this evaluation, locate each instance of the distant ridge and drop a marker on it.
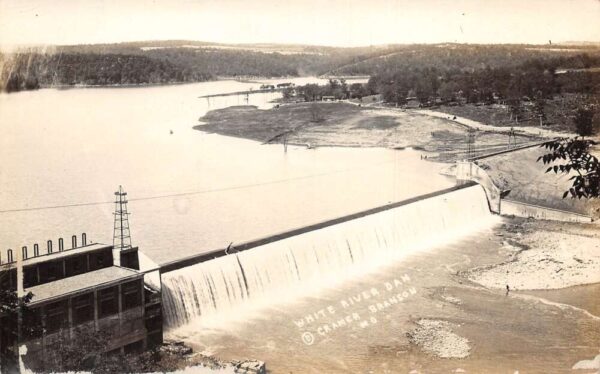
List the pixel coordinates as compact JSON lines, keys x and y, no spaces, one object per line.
{"x":181,"y":61}
{"x":581,"y":43}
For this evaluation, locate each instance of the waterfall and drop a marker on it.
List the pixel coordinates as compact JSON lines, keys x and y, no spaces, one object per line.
{"x":281,"y":270}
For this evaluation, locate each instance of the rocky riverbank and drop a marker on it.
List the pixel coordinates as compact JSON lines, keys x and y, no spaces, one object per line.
{"x":176,"y":356}
{"x":544,"y":255}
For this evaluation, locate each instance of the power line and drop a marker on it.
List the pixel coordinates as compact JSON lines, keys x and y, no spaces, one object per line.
{"x":200,"y":192}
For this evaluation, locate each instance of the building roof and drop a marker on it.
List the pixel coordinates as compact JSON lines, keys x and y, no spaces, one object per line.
{"x":56,"y":255}
{"x":81,"y":282}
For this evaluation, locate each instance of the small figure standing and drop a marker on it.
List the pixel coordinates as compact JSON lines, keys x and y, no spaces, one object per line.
{"x":507,"y":289}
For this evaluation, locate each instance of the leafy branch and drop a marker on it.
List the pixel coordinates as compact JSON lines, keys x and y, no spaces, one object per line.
{"x":576,"y":158}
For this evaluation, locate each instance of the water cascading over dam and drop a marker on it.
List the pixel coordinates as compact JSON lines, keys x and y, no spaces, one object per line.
{"x":218,"y":289}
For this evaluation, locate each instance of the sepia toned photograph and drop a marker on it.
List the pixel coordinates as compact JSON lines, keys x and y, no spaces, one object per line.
{"x":300,"y":186}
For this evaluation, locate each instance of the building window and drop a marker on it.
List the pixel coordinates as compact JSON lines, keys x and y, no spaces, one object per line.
{"x":32,"y":323}
{"x":8,"y":279}
{"x":131,"y":294}
{"x":76,"y":265}
{"x":108,"y":302}
{"x":56,"y":316}
{"x":50,"y":271}
{"x":99,"y":260}
{"x":30,"y":276}
{"x":83,"y":308}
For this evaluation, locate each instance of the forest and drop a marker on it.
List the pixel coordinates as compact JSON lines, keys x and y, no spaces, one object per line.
{"x":477,"y":70}
{"x":533,"y":79}
{"x":164,"y":62}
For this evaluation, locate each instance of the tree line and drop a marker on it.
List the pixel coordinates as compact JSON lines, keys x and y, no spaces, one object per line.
{"x":336,"y":89}
{"x":535,"y":80}
{"x":186,"y":61}
{"x":464,"y":57}
{"x":31,"y":71}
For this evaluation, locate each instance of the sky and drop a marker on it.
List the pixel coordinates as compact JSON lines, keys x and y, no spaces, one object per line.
{"x":323,"y":22}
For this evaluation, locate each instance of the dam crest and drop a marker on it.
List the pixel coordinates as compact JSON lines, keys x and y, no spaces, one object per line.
{"x":227,"y":287}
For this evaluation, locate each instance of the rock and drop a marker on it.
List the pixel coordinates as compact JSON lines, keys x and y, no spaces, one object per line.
{"x":250,"y":367}
{"x":176,"y":348}
{"x":452,"y":299}
{"x":436,"y":337}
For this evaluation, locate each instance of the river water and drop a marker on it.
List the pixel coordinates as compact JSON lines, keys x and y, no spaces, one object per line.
{"x":76,"y":146}
{"x":191,"y":192}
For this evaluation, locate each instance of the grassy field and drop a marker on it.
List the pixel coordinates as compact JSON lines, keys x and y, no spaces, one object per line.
{"x":344,"y":124}
{"x":559,"y":114}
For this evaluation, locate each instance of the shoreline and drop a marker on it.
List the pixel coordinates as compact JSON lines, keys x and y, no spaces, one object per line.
{"x":544,"y":255}
{"x":124,"y":85}
{"x":439,"y":137}
{"x":175,"y":356}
{"x":533,"y":250}
{"x":350,"y":125}
{"x":254,"y":80}
{"x":532,"y":256}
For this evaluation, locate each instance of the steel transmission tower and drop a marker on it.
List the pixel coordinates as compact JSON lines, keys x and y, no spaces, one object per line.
{"x":470,"y":143}
{"x":512,"y":138}
{"x":121,"y":234}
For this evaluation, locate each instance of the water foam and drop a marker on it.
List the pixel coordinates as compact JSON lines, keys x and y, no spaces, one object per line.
{"x":232,"y":286}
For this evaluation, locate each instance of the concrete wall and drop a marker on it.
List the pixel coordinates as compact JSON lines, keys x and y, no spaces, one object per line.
{"x":202,"y":257}
{"x":470,"y":172}
{"x":518,"y":209}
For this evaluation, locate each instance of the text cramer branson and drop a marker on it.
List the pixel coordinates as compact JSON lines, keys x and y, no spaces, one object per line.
{"x":379,"y":299}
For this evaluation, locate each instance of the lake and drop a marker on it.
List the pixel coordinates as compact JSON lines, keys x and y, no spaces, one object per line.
{"x":192,"y":192}
{"x":189,"y":191}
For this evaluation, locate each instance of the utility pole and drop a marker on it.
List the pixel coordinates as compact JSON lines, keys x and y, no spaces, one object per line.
{"x":20,"y":349}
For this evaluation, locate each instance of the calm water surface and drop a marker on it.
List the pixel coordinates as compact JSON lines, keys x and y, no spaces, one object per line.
{"x":76,"y":146}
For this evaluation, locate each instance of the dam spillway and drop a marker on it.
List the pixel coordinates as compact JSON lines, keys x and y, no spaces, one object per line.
{"x":280,"y":270}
